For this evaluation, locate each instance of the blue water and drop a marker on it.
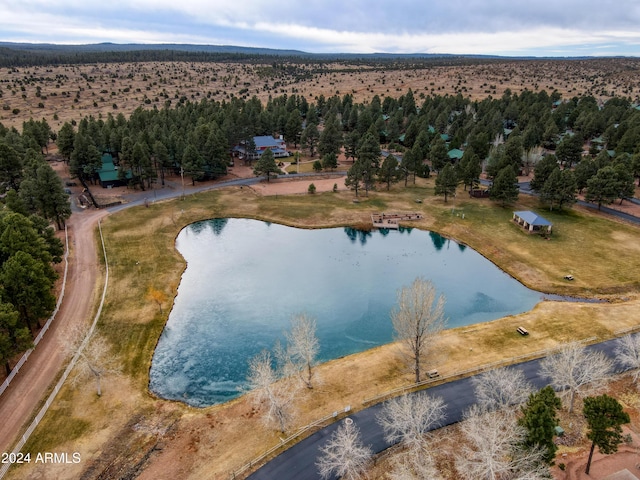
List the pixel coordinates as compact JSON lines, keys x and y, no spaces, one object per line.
{"x":246,"y":278}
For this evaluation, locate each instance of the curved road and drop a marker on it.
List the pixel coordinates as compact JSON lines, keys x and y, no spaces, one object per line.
{"x":298,"y":462}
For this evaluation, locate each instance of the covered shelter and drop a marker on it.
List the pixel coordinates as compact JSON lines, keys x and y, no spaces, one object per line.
{"x":532,"y":222}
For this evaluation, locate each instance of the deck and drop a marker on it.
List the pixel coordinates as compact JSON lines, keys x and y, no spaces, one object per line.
{"x":392,"y":220}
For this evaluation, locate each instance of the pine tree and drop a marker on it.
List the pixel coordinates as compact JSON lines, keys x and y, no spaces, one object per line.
{"x":266,"y":165}
{"x":539,"y":418}
{"x":604,"y":416}
{"x":505,"y":186}
{"x":446,"y":182}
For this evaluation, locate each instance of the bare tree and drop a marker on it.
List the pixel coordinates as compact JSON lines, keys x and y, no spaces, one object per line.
{"x":417,"y":319}
{"x":95,"y":359}
{"x":344,"y":454}
{"x":576,"y":370}
{"x":415,"y":463}
{"x":408,"y":418}
{"x":493,"y":448}
{"x":272,"y":389}
{"x":628,"y":354}
{"x":303,"y":346}
{"x":501,"y":388}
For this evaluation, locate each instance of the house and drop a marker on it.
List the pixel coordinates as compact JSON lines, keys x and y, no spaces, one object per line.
{"x":262,"y":144}
{"x":108,"y":174}
{"x":455,"y":154}
{"x":532,"y":222}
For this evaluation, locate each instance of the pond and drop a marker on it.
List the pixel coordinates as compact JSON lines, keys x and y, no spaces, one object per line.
{"x":246,"y":278}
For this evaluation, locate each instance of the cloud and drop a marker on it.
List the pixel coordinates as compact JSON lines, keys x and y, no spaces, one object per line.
{"x":506,"y":27}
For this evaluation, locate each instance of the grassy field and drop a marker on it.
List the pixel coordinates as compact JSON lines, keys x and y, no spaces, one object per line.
{"x":120,"y":431}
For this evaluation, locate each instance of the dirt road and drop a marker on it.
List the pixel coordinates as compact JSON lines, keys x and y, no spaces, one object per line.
{"x":27,"y":390}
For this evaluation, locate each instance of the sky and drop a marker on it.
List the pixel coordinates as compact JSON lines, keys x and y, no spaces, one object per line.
{"x":555,"y":28}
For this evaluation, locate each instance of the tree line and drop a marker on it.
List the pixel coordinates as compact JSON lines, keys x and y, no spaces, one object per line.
{"x":33,"y":201}
{"x":503,"y":137}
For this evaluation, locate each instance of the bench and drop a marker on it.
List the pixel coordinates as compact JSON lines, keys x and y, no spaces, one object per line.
{"x":433,"y":374}
{"x":522,"y":331}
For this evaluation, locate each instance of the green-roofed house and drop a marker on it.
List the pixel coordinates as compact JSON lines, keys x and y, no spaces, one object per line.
{"x":455,"y":154}
{"x":108,"y":174}
{"x":445,"y":137}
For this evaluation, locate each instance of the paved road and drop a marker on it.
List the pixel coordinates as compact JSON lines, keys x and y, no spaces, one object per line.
{"x":298,"y":462}
{"x":139,"y":198}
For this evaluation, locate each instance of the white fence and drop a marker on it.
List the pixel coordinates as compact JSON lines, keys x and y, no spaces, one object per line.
{"x":23,"y":440}
{"x":24,"y":357}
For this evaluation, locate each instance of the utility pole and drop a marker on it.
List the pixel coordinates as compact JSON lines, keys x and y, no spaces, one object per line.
{"x":182,"y":176}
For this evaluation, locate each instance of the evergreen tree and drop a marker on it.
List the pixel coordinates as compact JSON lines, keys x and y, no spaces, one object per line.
{"x":27,"y":286}
{"x":469,"y":169}
{"x":351,"y":142}
{"x":540,"y":419}
{"x":605,"y":418}
{"x":389,"y":172}
{"x":329,"y":161}
{"x":66,"y":137}
{"x":355,"y":176}
{"x":584,"y":170}
{"x":438,"y":154}
{"x":603,"y":188}
{"x":43,"y":194}
{"x":310,"y":137}
{"x":13,"y":338}
{"x":569,"y":150}
{"x":542,"y":171}
{"x":505,"y":186}
{"x":626,"y":188}
{"x":293,"y":128}
{"x":266,"y":165}
{"x":446,"y":182}
{"x":330,"y":139}
{"x":10,"y":167}
{"x":559,"y":189}
{"x":192,"y":163}
{"x":85,"y":158}
{"x":369,"y":158}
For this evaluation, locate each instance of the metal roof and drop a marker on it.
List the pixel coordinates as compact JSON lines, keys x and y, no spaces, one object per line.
{"x":532,"y":218}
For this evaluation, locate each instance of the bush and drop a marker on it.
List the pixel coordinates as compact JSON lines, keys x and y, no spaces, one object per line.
{"x":15,"y":111}
{"x":335,"y":188}
{"x":317,"y":166}
{"x":312,"y":189}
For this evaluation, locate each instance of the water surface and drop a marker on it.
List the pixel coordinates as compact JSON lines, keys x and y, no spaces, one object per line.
{"x":246,"y":278}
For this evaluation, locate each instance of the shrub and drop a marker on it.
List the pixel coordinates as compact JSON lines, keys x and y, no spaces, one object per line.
{"x":312,"y":189}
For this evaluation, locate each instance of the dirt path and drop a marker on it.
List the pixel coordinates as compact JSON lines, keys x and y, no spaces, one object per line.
{"x":24,"y":394}
{"x":20,"y":400}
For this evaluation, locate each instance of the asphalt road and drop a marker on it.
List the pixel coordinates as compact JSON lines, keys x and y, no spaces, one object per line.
{"x":298,"y":462}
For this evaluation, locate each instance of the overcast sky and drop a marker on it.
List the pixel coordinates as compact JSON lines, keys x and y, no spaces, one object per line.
{"x":500,"y":27}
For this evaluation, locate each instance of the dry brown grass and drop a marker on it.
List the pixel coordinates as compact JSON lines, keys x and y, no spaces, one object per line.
{"x":73,"y":92}
{"x":130,"y":432}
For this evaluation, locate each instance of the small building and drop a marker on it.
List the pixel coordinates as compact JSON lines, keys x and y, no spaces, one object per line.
{"x":532,"y":222}
{"x":455,"y":154}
